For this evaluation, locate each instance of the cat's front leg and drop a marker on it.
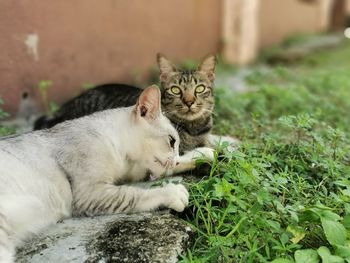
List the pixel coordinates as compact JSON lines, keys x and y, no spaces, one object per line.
{"x":216,"y":140}
{"x":173,"y":196}
{"x":188,"y":161}
{"x":102,"y":199}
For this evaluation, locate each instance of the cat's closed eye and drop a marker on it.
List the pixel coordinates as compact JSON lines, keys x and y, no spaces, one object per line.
{"x":172,"y":141}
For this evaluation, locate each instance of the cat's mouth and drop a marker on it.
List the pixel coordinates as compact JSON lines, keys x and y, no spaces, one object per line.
{"x":190,"y":113}
{"x":191,"y":110}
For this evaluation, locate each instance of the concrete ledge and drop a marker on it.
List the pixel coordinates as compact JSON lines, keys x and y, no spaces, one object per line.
{"x":145,"y":237}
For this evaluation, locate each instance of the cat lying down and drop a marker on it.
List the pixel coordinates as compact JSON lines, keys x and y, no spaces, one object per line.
{"x":77,"y":168}
{"x":187,"y":101}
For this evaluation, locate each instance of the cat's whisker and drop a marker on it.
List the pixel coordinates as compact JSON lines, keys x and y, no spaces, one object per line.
{"x":210,"y":111}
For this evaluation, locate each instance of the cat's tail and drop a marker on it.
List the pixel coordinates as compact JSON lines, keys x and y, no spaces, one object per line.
{"x":7,"y":247}
{"x":45,"y":122}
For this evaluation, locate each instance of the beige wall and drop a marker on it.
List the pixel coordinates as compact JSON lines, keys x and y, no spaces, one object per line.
{"x":348,"y":7}
{"x":240,"y":30}
{"x":88,"y":41}
{"x":97,"y":41}
{"x":280,"y":19}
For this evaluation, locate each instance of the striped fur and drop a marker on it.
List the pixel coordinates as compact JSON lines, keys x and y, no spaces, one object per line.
{"x":77,"y":167}
{"x":194,"y":126}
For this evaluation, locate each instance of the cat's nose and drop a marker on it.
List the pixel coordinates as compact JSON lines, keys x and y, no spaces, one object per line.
{"x":189,"y":103}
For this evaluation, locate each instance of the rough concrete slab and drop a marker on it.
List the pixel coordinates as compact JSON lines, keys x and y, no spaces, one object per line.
{"x":145,"y":237}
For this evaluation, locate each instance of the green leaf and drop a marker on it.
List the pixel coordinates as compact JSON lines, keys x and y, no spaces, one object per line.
{"x":346,"y":192}
{"x":263,"y":196}
{"x":346,"y":221}
{"x":298,"y":233}
{"x":306,"y":256}
{"x":329,"y":215}
{"x":327,"y":257}
{"x":274,"y":224}
{"x":223,"y":188}
{"x":88,"y":85}
{"x":335,"y":232}
{"x":45,"y":84}
{"x":343,"y":251}
{"x":347,"y":208}
{"x":282,"y":260}
{"x":53,"y":107}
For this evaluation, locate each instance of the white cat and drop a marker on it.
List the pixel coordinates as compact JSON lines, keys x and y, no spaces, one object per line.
{"x":76,"y":168}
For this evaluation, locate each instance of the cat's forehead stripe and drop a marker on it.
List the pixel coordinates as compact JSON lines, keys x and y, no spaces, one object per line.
{"x":187,"y":77}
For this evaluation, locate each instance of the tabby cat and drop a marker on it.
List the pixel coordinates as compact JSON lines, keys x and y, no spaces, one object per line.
{"x":187,"y":100}
{"x":78,"y":167}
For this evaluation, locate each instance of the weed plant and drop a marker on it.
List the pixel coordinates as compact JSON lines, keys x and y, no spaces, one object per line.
{"x":283,"y":195}
{"x":4,"y":130}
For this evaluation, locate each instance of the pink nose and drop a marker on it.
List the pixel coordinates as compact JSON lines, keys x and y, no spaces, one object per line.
{"x":189,"y":103}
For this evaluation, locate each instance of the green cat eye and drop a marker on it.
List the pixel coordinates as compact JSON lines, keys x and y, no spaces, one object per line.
{"x":200,"y":89}
{"x":175,"y":90}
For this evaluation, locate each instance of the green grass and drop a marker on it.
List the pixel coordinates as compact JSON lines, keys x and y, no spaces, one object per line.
{"x":4,"y":130}
{"x":284,"y":195}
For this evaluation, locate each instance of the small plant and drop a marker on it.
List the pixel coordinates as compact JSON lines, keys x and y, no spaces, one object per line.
{"x":4,"y":130}
{"x":87,"y":85}
{"x":284,"y":195}
{"x":44,"y":86}
{"x":278,"y":199}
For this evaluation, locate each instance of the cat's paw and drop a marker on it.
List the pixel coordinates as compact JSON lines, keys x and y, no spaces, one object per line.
{"x":230,"y":143}
{"x":177,"y":197}
{"x":203,"y":152}
{"x":198,"y":153}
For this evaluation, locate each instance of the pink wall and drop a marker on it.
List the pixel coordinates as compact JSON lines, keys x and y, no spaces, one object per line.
{"x":348,"y":7}
{"x":281,"y":19}
{"x":86,"y":41}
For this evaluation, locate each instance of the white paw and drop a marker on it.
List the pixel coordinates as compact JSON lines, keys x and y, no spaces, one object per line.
{"x":198,"y":153}
{"x":177,"y":197}
{"x":229,"y":142}
{"x":232,"y":141}
{"x":203,"y":152}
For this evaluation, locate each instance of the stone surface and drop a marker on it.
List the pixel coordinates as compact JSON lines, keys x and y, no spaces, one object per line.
{"x":311,"y":44}
{"x":145,"y":237}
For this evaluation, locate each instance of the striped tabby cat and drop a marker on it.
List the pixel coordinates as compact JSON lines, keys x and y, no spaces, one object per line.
{"x":187,"y":100}
{"x":78,"y":167}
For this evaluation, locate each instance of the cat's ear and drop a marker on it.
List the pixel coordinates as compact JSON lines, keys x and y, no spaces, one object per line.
{"x":207,"y":66}
{"x":148,"y":104}
{"x":166,"y":68}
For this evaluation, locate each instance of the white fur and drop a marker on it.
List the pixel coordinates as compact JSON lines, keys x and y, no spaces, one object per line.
{"x":188,"y":160}
{"x":46,"y":176}
{"x":217,"y":140}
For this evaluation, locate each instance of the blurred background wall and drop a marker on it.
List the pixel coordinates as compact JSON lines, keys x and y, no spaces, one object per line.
{"x":280,"y":19}
{"x":76,"y":42}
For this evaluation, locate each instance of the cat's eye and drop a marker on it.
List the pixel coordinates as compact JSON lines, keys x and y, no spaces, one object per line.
{"x":200,"y":89}
{"x":172,"y":141}
{"x":175,"y":90}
